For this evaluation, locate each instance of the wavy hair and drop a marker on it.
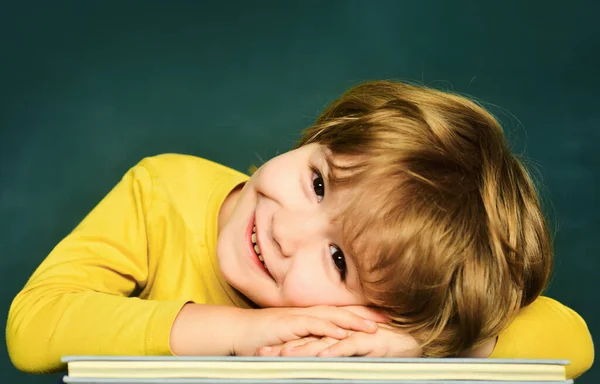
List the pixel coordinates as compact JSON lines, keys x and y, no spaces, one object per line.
{"x":446,"y":220}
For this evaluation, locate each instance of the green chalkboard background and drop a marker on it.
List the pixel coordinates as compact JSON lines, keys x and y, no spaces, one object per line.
{"x":88,"y":88}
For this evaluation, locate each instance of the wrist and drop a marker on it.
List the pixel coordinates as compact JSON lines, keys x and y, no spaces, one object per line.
{"x":242,"y":327}
{"x":232,"y":324}
{"x":205,"y":330}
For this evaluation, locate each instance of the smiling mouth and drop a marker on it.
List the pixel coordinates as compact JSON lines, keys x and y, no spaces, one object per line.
{"x":256,"y":247}
{"x":257,"y":250}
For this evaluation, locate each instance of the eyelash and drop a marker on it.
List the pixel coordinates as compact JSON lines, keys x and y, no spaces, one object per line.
{"x":341,"y":267}
{"x":315,"y":171}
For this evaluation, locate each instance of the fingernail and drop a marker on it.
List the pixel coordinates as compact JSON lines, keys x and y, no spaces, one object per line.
{"x":324,"y":353}
{"x":342,"y":332}
{"x":266,"y":349}
{"x":370,"y":323}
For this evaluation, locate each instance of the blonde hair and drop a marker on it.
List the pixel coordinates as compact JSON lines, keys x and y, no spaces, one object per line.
{"x":444,"y":220}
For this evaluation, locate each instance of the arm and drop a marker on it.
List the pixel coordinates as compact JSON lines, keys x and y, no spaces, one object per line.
{"x":77,"y":301}
{"x":546,"y":329}
{"x":219,"y":330}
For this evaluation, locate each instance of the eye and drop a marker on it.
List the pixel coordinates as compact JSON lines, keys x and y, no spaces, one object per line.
{"x":339,"y":260}
{"x":318,"y":184}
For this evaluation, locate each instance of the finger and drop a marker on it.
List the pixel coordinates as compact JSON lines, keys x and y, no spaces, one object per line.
{"x":300,"y":342}
{"x":291,"y":345}
{"x":308,"y":349}
{"x":367,"y":313}
{"x":275,"y":350}
{"x":355,"y":345}
{"x":344,"y":318}
{"x":300,"y":326}
{"x":269,"y":350}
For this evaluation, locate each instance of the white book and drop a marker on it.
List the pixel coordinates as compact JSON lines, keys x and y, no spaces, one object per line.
{"x":280,"y":370}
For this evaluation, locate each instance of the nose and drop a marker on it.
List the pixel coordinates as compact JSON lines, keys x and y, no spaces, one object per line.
{"x":294,"y":230}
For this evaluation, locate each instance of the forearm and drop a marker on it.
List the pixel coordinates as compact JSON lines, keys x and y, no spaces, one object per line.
{"x":205,"y":330}
{"x":43,"y":328}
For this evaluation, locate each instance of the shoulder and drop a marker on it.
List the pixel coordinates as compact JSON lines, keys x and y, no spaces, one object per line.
{"x":189,"y":183}
{"x":175,"y":163}
{"x":181,"y":168}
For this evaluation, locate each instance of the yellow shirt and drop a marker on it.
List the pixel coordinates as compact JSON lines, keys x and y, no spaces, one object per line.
{"x":116,"y":283}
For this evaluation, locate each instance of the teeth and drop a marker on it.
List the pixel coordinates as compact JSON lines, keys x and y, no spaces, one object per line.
{"x":256,"y":249}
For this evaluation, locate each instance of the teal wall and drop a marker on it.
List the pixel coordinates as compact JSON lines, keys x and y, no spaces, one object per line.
{"x":88,"y":88}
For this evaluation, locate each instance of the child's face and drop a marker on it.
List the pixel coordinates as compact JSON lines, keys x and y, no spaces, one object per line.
{"x":292,"y":207}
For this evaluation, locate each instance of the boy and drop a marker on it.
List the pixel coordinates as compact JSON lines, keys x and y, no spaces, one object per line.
{"x":399,"y":198}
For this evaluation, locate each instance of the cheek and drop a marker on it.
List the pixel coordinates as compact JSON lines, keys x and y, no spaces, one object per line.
{"x":305,"y":290}
{"x":278,"y":181}
{"x":225,"y":258}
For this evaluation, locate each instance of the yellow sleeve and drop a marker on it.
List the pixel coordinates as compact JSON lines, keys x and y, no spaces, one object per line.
{"x":546,"y":329}
{"x":76,"y":302}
